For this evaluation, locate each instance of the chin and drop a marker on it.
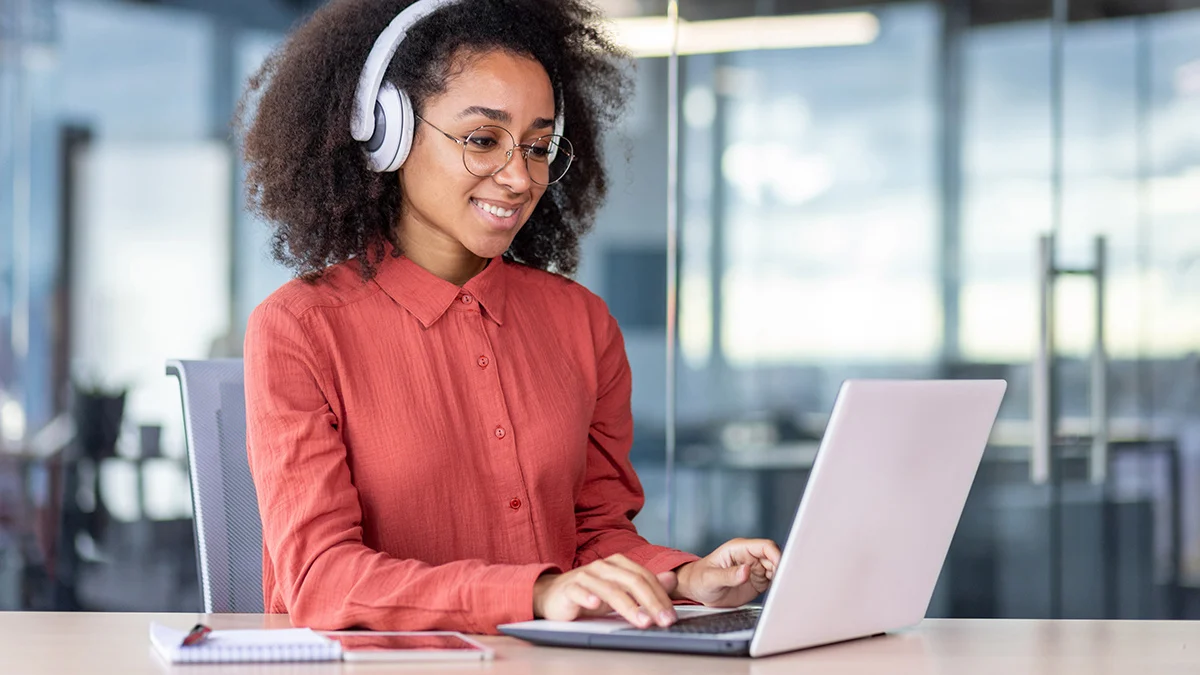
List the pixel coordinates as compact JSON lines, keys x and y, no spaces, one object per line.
{"x":492,"y":244}
{"x":490,"y":249}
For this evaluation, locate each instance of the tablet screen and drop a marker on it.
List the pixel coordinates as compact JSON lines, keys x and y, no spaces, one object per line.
{"x":390,"y":642}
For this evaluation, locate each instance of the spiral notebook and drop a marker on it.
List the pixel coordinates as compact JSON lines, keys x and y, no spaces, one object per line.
{"x":245,"y":646}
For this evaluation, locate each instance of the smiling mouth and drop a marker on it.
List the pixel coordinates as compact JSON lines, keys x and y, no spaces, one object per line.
{"x":494,"y":210}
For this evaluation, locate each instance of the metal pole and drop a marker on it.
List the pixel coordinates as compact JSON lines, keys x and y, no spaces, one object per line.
{"x":22,"y":157}
{"x":1144,"y":79}
{"x":1143,"y":83}
{"x":1058,"y":25}
{"x":1043,"y":393}
{"x":1042,"y":374}
{"x":672,"y":257}
{"x":1099,"y":456}
{"x":950,"y":174}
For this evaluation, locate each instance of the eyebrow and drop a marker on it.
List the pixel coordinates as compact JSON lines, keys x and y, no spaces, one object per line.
{"x":502,"y":116}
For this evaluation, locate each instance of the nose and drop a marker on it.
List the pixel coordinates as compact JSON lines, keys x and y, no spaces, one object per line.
{"x":515,"y":174}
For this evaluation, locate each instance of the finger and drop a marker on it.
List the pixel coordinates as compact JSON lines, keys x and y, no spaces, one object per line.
{"x":749,"y":550}
{"x":732,"y":577}
{"x":758,"y":571}
{"x":660,"y":585}
{"x":669,"y":581}
{"x":721,"y":578}
{"x":615,"y":597}
{"x":760,"y":578}
{"x":753,"y":550}
{"x":773,"y":554}
{"x":587,"y":602}
{"x":664,"y":580}
{"x":642,"y":585}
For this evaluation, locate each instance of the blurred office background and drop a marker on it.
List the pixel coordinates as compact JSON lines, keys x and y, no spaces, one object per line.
{"x":869,"y":199}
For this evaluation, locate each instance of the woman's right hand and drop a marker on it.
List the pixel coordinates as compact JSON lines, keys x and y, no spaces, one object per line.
{"x":615,"y":583}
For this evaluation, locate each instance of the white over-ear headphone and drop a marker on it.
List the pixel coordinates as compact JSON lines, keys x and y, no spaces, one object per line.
{"x":382,"y":117}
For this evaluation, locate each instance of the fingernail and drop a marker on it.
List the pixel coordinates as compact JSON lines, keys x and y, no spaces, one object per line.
{"x":643,"y":619}
{"x":666,"y":618}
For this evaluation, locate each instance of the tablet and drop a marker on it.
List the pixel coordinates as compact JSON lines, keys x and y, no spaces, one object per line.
{"x":402,"y":646}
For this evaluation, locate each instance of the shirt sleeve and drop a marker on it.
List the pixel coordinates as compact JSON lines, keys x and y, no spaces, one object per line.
{"x":612,"y":494}
{"x":312,"y":519}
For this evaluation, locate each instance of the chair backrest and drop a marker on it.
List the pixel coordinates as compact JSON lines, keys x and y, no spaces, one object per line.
{"x":224,"y":503}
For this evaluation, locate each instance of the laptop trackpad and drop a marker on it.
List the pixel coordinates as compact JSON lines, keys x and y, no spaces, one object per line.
{"x":600,"y":625}
{"x":604,"y":624}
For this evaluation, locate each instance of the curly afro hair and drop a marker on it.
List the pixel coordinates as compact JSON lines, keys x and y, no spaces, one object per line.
{"x":309,"y":179}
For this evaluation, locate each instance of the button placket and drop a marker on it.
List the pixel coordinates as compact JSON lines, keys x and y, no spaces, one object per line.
{"x":505,"y":456}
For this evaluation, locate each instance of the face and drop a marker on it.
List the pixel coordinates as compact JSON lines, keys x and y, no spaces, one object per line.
{"x":447,"y":207}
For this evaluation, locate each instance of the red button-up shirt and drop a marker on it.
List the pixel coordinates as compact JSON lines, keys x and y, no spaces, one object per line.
{"x":423,"y":452}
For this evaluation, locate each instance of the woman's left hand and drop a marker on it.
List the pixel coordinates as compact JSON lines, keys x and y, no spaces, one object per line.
{"x":734,"y":574}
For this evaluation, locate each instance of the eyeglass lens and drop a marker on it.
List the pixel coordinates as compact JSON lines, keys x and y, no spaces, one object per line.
{"x":487,"y":150}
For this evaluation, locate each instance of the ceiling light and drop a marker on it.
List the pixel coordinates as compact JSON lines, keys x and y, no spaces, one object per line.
{"x":651,"y":36}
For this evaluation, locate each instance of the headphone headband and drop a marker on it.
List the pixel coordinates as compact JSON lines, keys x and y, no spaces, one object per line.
{"x":362,"y":120}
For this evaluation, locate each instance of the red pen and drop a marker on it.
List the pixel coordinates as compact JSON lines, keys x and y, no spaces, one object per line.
{"x":196,"y":635}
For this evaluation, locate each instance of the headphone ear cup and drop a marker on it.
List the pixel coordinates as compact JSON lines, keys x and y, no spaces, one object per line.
{"x":390,"y":143}
{"x":558,"y":129}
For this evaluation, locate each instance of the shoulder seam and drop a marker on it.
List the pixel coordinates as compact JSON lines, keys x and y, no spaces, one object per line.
{"x":325,"y":305}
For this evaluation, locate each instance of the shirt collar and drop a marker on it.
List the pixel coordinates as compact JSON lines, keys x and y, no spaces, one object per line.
{"x":427,"y":296}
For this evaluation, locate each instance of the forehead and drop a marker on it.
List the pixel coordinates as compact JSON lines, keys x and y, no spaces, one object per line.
{"x":498,"y":79}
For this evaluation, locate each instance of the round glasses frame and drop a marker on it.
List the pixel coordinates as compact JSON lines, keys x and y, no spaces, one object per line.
{"x":565,"y":149}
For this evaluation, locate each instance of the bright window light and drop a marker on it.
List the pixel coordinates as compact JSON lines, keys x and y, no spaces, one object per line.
{"x":651,"y":36}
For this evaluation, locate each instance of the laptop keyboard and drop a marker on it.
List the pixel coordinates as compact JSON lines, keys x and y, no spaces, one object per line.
{"x":708,"y":624}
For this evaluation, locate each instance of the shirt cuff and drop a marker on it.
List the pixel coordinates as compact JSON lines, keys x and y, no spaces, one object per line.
{"x":505,"y":595}
{"x":661,"y":559}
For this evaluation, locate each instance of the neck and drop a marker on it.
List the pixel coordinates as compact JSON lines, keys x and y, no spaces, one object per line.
{"x":442,"y":256}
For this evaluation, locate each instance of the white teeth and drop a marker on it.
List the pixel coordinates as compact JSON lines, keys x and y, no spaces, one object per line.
{"x":494,"y":210}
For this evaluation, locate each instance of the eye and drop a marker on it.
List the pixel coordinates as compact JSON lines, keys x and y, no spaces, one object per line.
{"x":482,"y":142}
{"x":540,"y":149}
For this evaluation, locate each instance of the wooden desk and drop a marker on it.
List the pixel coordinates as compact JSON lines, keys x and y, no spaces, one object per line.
{"x":98,"y":644}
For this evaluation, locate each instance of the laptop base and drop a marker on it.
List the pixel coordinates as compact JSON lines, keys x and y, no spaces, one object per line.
{"x":657,"y":642}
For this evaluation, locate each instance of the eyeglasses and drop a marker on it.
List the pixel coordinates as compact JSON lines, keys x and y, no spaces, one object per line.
{"x":485,"y":153}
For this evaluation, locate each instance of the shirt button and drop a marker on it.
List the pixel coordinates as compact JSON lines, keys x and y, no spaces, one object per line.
{"x":499,"y":432}
{"x":466,"y":299}
{"x":483,"y":362}
{"x":515,"y":504}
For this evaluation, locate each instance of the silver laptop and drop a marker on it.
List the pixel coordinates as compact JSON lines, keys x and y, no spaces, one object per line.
{"x":870,"y":536}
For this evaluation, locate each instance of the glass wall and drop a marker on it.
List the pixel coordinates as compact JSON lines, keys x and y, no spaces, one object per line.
{"x":809,"y":251}
{"x":1128,"y":173}
{"x":870,"y":211}
{"x":128,"y":205}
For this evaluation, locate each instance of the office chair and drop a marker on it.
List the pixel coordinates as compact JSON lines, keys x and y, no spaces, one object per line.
{"x":224,"y":503}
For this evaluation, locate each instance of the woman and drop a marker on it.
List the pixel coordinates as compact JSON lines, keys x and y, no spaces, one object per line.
{"x":438,"y":419}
